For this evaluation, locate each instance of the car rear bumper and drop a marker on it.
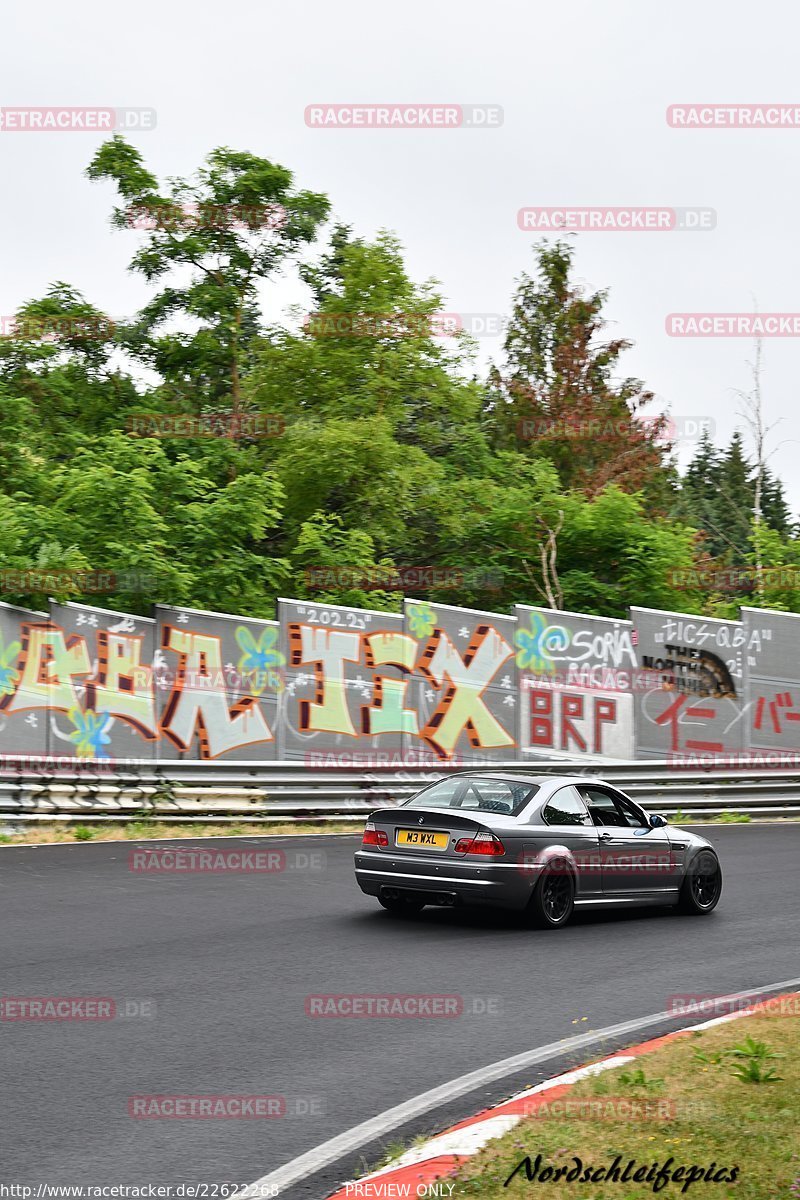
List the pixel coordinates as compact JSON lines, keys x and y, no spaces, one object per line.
{"x":500,"y":884}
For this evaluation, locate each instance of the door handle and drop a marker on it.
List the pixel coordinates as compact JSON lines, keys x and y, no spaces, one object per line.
{"x":606,"y":837}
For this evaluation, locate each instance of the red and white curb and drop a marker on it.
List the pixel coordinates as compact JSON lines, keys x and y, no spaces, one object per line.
{"x":424,"y":1170}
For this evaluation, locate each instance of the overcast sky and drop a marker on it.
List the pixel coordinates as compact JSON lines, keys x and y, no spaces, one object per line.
{"x":584,"y":87}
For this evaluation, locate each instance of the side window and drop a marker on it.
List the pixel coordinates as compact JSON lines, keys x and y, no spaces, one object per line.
{"x":607,"y":809}
{"x":632,"y":815}
{"x":566,"y":808}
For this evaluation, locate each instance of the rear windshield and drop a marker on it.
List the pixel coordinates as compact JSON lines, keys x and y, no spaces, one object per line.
{"x":476,"y":794}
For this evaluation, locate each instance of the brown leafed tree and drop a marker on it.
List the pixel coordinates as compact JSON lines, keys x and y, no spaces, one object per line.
{"x":559,"y":394}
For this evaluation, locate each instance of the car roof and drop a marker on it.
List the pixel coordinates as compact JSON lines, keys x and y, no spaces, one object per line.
{"x":526,"y":777}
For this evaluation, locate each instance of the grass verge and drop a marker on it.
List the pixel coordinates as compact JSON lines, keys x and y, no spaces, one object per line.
{"x":153,"y":830}
{"x":715,"y":1096}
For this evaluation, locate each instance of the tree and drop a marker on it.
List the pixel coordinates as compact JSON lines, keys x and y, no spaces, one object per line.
{"x":556,"y":396}
{"x":608,"y":548}
{"x":59,"y":363}
{"x":774,"y":507}
{"x":372,"y":348}
{"x":236,"y":223}
{"x":752,"y":412}
{"x":393,"y":454}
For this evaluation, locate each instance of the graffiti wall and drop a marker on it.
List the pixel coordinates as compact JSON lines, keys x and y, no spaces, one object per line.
{"x":773,"y":671}
{"x":464,"y":682}
{"x":344,"y":686}
{"x":24,"y":691}
{"x":219,"y":680}
{"x":692,"y":698}
{"x":576,"y":677}
{"x":346,"y":674}
{"x":97,"y":668}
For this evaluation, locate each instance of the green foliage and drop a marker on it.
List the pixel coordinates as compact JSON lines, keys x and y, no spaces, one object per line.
{"x":718,"y":495}
{"x":394,"y":453}
{"x":714,"y":1059}
{"x":752,"y":1067}
{"x":637,"y":1079}
{"x":559,"y":395}
{"x":753,"y":1056}
{"x":751,"y":1048}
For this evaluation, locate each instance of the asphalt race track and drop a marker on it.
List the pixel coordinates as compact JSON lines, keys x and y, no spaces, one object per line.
{"x":228,"y":960}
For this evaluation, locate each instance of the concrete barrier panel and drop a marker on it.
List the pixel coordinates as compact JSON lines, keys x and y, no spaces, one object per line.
{"x":773,"y":680}
{"x":219,"y":678}
{"x":23,"y":697}
{"x":464,"y":684}
{"x":102,"y":701}
{"x":576,"y":675}
{"x":696,"y":704}
{"x":347,"y":672}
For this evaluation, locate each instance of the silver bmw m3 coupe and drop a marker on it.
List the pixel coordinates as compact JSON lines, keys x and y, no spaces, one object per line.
{"x":540,"y":844}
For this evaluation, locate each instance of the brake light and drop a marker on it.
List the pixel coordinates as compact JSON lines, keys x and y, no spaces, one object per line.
{"x":482,"y":843}
{"x":373,"y":836}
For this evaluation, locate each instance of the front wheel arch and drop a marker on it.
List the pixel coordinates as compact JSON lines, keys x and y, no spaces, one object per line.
{"x":702,"y":883}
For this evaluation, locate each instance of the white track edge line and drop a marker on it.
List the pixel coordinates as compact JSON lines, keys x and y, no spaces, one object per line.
{"x":479,"y":1132}
{"x":335,"y":1148}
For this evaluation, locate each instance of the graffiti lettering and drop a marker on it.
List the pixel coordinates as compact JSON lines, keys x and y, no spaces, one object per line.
{"x":462,"y":708}
{"x":191,"y":709}
{"x":328,"y":651}
{"x":387,"y":713}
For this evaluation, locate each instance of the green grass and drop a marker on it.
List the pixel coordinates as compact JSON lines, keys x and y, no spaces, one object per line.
{"x":391,"y":1152}
{"x":729,"y":1095}
{"x":725,"y":818}
{"x":145,"y":829}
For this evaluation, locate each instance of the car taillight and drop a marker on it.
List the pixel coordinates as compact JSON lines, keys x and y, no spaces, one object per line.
{"x":373,"y":836}
{"x":482,"y":843}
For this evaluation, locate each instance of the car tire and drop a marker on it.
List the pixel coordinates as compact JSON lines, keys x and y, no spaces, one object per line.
{"x":401,"y":907}
{"x":553,"y":900}
{"x":702,"y":885}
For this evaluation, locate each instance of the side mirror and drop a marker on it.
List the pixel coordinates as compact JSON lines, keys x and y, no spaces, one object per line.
{"x":657,"y":821}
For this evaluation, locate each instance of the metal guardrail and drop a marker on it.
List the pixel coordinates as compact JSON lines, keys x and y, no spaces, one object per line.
{"x":269,"y":792}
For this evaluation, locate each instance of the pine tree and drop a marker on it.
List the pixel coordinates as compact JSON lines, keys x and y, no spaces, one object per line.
{"x":735,"y":502}
{"x":775,"y":509}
